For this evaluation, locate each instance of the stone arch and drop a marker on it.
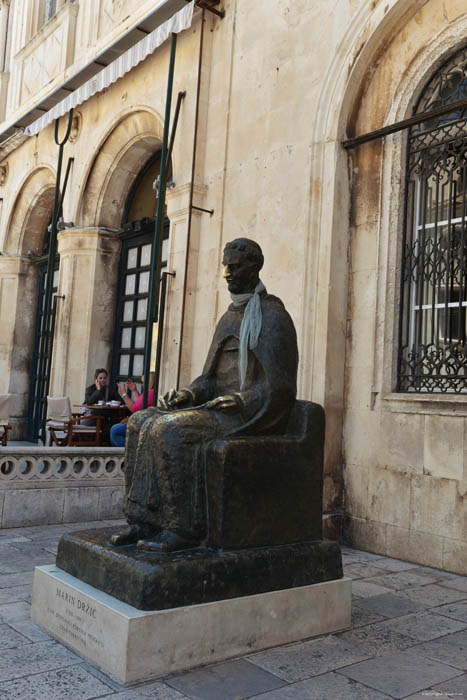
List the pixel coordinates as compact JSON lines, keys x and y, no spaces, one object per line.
{"x":31,"y":213}
{"x":122,"y":153}
{"x":25,"y":232}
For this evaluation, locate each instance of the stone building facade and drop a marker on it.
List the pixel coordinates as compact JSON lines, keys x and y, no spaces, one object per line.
{"x":282,"y":85}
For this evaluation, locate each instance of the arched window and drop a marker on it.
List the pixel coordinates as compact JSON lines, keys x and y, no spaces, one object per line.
{"x":433,"y":318}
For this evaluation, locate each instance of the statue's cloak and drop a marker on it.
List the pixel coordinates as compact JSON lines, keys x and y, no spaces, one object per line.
{"x":271,"y":383}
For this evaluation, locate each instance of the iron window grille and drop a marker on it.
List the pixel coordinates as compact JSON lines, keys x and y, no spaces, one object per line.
{"x":432,"y":353}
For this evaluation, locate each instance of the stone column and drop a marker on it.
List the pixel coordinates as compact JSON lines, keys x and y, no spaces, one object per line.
{"x":178,"y":200}
{"x":18,"y":295}
{"x":89,"y":259}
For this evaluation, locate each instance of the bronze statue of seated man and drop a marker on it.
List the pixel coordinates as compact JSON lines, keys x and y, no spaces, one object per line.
{"x":248,"y":387}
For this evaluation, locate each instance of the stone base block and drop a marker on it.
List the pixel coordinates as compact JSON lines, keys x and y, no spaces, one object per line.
{"x":150,"y":581}
{"x":133,"y":645}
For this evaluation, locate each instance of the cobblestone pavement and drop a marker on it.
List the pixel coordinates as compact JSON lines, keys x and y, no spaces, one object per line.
{"x":408,"y":640}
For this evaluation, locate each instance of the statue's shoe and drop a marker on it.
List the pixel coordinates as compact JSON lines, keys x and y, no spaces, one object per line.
{"x":129,"y":535}
{"x":166,"y":541}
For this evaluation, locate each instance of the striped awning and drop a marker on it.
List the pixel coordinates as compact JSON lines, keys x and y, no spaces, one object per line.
{"x":180,"y":21}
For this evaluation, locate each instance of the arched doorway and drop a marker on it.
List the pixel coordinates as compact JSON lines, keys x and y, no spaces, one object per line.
{"x":26,"y":233}
{"x":138,"y":232}
{"x":115,"y":214}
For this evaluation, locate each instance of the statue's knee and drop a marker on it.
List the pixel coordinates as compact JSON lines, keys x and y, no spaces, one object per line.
{"x":162,"y":430}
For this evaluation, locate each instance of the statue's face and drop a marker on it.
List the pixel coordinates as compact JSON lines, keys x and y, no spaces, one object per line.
{"x":240,"y":275}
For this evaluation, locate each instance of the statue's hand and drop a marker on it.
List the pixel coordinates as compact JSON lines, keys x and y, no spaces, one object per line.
{"x":174,"y":398}
{"x":222,"y":403}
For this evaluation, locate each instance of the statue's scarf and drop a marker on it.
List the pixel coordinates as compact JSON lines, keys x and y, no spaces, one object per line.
{"x":250,"y":327}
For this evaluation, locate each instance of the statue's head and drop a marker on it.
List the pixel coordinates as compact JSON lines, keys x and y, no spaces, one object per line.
{"x":242,"y":261}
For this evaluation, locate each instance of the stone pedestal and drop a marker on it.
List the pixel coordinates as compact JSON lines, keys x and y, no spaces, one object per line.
{"x":152,"y":581}
{"x":132,"y":645}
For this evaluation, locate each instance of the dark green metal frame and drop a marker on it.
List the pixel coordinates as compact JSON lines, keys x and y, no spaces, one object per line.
{"x":154,"y":278}
{"x":142,"y":235}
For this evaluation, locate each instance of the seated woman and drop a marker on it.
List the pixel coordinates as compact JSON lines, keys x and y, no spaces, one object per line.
{"x":101,"y":390}
{"x":118,"y":431}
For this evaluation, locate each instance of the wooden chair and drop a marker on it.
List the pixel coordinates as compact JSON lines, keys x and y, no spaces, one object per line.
{"x":4,"y":418}
{"x":60,"y":419}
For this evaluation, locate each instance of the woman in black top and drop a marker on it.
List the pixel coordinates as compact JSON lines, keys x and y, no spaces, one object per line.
{"x":100,"y":390}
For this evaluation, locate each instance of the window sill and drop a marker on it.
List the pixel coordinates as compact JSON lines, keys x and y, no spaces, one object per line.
{"x":446,"y":404}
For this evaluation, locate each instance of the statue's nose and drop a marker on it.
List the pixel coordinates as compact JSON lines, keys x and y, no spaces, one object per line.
{"x":225,"y":271}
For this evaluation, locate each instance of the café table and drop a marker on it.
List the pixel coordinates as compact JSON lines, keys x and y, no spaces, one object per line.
{"x":110,"y":416}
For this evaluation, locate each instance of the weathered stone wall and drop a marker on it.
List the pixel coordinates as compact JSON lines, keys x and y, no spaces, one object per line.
{"x":405,"y":463}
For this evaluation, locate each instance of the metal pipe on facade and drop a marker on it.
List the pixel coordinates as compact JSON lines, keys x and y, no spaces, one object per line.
{"x":46,"y":321}
{"x":157,"y":370}
{"x":180,"y":97}
{"x":190,"y":206}
{"x":4,"y":21}
{"x":156,"y":250}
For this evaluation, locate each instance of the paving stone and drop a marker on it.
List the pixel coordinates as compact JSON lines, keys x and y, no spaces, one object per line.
{"x":305,"y":659}
{"x":358,"y":571}
{"x":8,"y":580}
{"x":9,"y":638}
{"x":230,"y":681}
{"x":29,"y":630}
{"x":458,"y":582}
{"x":100,"y":675}
{"x":329,"y":686}
{"x":52,"y":548}
{"x":24,"y":531}
{"x":394,"y":564}
{"x":8,"y":539}
{"x":377,"y":639}
{"x":433,"y":594}
{"x":64,"y":684}
{"x":457,"y":687}
{"x":426,"y":626}
{"x":402,"y":579}
{"x":22,"y":562}
{"x":429,"y":571}
{"x":365,"y":556}
{"x":367,"y":589}
{"x":155,"y":691}
{"x":451,"y":650}
{"x":10,"y":612}
{"x":399,"y":674}
{"x":458,"y":611}
{"x":450,"y":689}
{"x":33,"y":548}
{"x":15,"y":593}
{"x":35,"y":658}
{"x":362,"y":617}
{"x":359,"y":557}
{"x":390,"y":605}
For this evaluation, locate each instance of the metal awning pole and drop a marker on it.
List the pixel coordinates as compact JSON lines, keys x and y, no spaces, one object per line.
{"x":46,"y":314}
{"x":157,"y":370}
{"x":404,"y":124}
{"x":156,"y":252}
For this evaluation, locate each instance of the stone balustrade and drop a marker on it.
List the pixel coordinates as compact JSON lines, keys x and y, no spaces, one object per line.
{"x":47,"y":485}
